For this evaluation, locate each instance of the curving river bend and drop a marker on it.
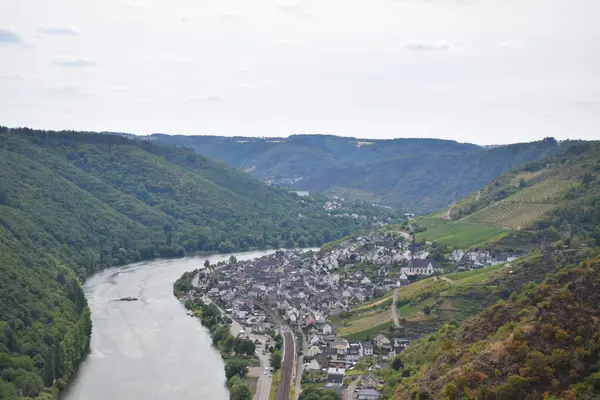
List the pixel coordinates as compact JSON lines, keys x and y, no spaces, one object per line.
{"x":148,"y":349}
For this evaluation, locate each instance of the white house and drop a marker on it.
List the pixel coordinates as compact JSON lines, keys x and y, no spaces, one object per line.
{"x":326,"y":330}
{"x":313,"y":351}
{"x":421,"y":267}
{"x":382,"y":342}
{"x":367,"y":348}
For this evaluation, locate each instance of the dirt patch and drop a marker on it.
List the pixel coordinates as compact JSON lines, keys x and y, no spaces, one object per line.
{"x":254,"y":372}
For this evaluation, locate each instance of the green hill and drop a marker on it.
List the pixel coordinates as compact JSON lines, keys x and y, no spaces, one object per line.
{"x":540,"y":340}
{"x":416,"y":174}
{"x":516,"y":202}
{"x":74,"y":202}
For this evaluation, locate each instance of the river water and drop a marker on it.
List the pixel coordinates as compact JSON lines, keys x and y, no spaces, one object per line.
{"x":148,"y":349}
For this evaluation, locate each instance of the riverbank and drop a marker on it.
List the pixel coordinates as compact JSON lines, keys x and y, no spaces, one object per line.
{"x":239,"y":352}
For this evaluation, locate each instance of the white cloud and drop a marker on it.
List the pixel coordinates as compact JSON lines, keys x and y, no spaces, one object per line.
{"x":230,"y":15}
{"x":8,"y":36}
{"x":67,"y":89}
{"x":72,"y":61}
{"x":586,"y":102}
{"x":15,"y":76}
{"x":292,"y":42}
{"x":133,"y":4}
{"x":213,"y":97}
{"x":186,"y":18}
{"x":294,"y":8}
{"x":429,"y":46}
{"x":118,"y":88}
{"x":59,"y":30}
{"x":511,"y":43}
{"x":248,"y":86}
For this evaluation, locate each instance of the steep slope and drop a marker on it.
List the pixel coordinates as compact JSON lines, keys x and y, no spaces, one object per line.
{"x":540,"y":341}
{"x":516,"y":203}
{"x":418,"y":174}
{"x":544,"y":341}
{"x":74,"y":202}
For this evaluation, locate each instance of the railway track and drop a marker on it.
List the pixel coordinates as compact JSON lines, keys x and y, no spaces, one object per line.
{"x":283,"y":391}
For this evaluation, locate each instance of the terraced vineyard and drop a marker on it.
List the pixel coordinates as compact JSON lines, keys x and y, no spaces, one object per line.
{"x":524,"y":207}
{"x":543,"y":192}
{"x":512,"y":215}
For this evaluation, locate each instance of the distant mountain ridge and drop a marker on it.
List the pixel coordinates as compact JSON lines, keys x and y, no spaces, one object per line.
{"x":417,"y":174}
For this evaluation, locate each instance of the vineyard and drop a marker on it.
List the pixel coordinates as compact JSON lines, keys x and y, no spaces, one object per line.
{"x":512,"y":215}
{"x":523,"y":207}
{"x":543,"y":192}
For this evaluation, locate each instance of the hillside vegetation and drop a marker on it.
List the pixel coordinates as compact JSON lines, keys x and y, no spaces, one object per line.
{"x":74,"y":202}
{"x":518,"y":200}
{"x":540,"y":339}
{"x":417,"y":174}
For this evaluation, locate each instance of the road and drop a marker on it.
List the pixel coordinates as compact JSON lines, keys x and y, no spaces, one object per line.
{"x":395,"y":310}
{"x":263,"y":386}
{"x":348,"y":393}
{"x":283,"y":392}
{"x":300,"y":368}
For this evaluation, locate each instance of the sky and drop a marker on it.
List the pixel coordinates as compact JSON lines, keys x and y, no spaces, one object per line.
{"x":480,"y":71}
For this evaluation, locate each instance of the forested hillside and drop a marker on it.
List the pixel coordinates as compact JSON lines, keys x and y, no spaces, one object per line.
{"x":540,"y":341}
{"x":74,"y":202}
{"x":417,"y":174}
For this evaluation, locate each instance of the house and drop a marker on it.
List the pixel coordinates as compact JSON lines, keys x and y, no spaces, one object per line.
{"x":400,"y":344}
{"x":375,"y":367}
{"x":370,"y":381}
{"x":457,"y":255}
{"x":421,"y":267}
{"x":368,"y":394}
{"x":367,"y":348}
{"x":353,"y":352}
{"x":314,"y":366}
{"x":322,"y":360}
{"x":382,"y":342}
{"x":335,"y":378}
{"x":313,"y":351}
{"x":326,"y":330}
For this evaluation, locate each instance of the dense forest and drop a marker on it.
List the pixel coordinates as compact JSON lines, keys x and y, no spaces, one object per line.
{"x":72,"y":203}
{"x":417,"y":174}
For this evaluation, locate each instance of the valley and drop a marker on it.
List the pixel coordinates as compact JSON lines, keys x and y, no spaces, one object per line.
{"x":372,"y":306}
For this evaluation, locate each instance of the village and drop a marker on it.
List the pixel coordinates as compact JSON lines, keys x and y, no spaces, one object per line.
{"x":306,"y":290}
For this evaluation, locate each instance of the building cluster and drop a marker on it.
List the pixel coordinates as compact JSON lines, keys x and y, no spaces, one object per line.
{"x":468,"y":260}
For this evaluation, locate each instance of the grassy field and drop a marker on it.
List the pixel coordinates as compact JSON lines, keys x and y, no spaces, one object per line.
{"x":364,"y":322}
{"x":462,"y":234}
{"x":450,"y":297}
{"x":511,"y":215}
{"x":371,"y":331}
{"x":387,"y":298}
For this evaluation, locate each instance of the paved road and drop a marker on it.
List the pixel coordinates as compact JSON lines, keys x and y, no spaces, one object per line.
{"x":348,"y":393}
{"x":263,"y":386}
{"x":283,"y":392}
{"x":300,"y":368}
{"x":395,"y":310}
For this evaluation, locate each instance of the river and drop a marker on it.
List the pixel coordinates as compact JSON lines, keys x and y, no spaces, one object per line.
{"x":148,"y":349}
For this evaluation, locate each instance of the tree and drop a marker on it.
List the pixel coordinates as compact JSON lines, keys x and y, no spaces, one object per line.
{"x":312,"y":393}
{"x":575,"y":242}
{"x":236,"y":366}
{"x":397,"y":363}
{"x":207,"y":264}
{"x":48,"y":369}
{"x":275,"y":359}
{"x":232,"y":259}
{"x":558,"y":245}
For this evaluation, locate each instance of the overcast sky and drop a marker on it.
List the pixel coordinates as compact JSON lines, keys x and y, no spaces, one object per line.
{"x":482,"y":71}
